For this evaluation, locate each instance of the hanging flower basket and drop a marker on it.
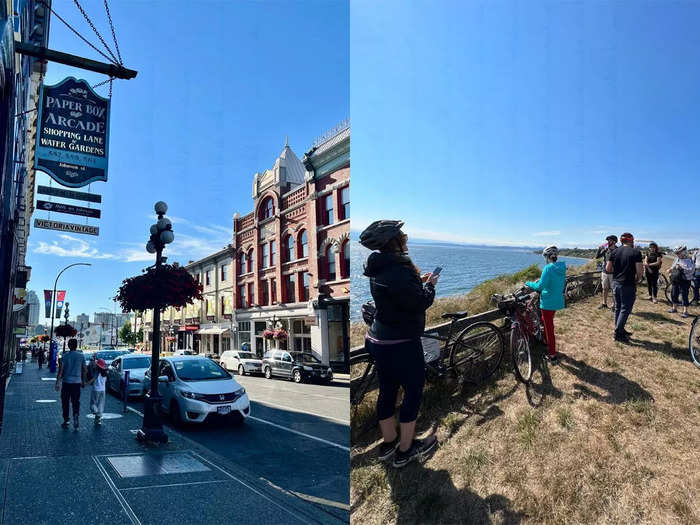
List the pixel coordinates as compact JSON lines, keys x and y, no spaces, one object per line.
{"x":159,"y":288}
{"x":280,"y":334}
{"x":268,"y":334}
{"x":170,"y":339}
{"x":44,"y":338}
{"x":65,"y":331}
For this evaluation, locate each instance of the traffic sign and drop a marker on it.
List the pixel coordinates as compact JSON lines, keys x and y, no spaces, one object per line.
{"x":60,"y":207}
{"x":66,"y":227}
{"x":69,"y":194}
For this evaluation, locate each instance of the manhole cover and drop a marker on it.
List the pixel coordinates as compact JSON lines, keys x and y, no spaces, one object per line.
{"x":45,"y":400}
{"x":155,"y":464}
{"x":105,"y":415}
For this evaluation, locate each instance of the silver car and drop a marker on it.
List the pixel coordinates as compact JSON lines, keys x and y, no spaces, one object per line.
{"x":243,"y":362}
{"x":137,"y":365}
{"x":194,"y":388}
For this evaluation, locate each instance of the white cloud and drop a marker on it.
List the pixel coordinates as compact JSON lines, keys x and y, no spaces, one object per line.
{"x":69,"y":246}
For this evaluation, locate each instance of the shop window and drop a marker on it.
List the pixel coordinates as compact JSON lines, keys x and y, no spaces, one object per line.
{"x":303,"y":244}
{"x":289,"y":248}
{"x":328,"y":210}
{"x":289,"y":289}
{"x":344,"y":210}
{"x":330,"y":263}
{"x":345,"y":266}
{"x":267,"y":209}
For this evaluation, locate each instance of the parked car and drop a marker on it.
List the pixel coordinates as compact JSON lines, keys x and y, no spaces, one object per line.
{"x":88,"y":354}
{"x":137,"y":365}
{"x":297,"y":366}
{"x":183,"y":352}
{"x":194,"y":388}
{"x":108,"y":355}
{"x":243,"y":362}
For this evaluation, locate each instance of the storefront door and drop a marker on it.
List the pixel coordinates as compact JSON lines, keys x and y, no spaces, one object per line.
{"x":338,"y":341}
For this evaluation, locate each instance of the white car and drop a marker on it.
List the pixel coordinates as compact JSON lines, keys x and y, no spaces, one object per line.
{"x":243,"y":362}
{"x":137,"y":365}
{"x":194,"y":388}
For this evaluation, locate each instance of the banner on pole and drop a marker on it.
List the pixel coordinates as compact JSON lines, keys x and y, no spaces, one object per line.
{"x":47,"y":303}
{"x":60,"y":298}
{"x":73,"y":133}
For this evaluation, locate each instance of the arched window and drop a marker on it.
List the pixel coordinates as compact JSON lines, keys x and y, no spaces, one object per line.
{"x":241,"y":263}
{"x":267,"y":209}
{"x":330,"y":263}
{"x":345,"y":267}
{"x":303,"y":244}
{"x":289,"y":248}
{"x":251,"y":260}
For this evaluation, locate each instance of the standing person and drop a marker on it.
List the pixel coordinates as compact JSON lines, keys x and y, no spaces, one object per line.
{"x":652,"y":266}
{"x":626,"y":266}
{"x":682,"y":272}
{"x":606,"y":278}
{"x":97,"y":395}
{"x":696,"y":262}
{"x":71,"y":370}
{"x":551,"y":287}
{"x":40,"y":357}
{"x":401,"y":296}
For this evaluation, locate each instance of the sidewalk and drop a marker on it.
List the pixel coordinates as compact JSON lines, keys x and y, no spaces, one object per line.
{"x":103,"y":475}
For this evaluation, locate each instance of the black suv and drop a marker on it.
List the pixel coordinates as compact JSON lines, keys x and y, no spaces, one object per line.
{"x":297,"y":366}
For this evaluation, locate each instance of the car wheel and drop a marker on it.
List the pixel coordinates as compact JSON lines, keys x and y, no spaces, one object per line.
{"x":296,"y":375}
{"x":175,"y":416}
{"x":241,"y":370}
{"x":268,"y":374}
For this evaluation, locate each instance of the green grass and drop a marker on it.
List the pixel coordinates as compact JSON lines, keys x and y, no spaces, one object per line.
{"x":527,"y":427}
{"x":565,"y":418}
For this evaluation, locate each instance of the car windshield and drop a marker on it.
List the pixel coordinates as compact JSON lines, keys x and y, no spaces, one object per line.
{"x":198,"y":370}
{"x":303,"y":356}
{"x":112,"y":354}
{"x":246,"y":355}
{"x":136,"y":362}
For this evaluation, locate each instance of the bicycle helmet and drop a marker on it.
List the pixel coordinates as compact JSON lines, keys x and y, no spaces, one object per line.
{"x":652,"y":243}
{"x":627,"y":237}
{"x":377,"y":234}
{"x":550,"y":251}
{"x":680,"y":249}
{"x":611,"y":238}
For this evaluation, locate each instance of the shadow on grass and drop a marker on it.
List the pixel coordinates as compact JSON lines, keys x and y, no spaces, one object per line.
{"x":657,"y":318}
{"x":618,"y":388}
{"x":540,"y":385}
{"x":422,"y":495}
{"x":664,"y":347}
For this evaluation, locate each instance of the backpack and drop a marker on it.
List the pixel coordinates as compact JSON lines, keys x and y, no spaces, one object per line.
{"x":677,"y":275}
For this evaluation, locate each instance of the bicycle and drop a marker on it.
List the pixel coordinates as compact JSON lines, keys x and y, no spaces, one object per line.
{"x":524,"y":318}
{"x":471,"y":356}
{"x":694,"y":341}
{"x":668,"y":291}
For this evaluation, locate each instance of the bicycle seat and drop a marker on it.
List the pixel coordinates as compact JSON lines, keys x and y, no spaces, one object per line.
{"x":455,"y":315}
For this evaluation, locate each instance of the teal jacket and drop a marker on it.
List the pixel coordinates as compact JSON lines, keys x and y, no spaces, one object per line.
{"x":551,"y":286}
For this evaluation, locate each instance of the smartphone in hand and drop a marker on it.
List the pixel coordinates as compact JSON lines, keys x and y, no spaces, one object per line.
{"x":437,"y":271}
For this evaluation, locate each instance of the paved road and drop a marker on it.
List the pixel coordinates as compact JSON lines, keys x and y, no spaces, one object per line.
{"x":297,"y":438}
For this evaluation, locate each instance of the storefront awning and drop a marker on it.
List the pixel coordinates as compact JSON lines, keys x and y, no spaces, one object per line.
{"x":212,"y":331}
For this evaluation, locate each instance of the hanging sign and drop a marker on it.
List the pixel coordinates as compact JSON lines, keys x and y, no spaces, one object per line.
{"x":73,"y":135}
{"x":68,"y":194}
{"x":59,"y":207}
{"x":66,"y":227}
{"x":47,"y":303}
{"x":60,"y":297}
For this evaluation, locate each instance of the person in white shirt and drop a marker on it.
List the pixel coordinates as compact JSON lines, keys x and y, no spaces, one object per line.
{"x":97,"y":396}
{"x":696,"y":260}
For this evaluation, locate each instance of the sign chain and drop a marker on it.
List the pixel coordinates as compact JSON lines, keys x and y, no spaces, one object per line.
{"x":114,"y":35}
{"x":87,"y":18}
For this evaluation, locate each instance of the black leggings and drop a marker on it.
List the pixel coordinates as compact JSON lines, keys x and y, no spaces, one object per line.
{"x":399,"y":365}
{"x":681,"y":289}
{"x":653,"y":283}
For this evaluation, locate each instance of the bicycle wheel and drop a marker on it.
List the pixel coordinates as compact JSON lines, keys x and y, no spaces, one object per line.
{"x":477,"y":351}
{"x":367,"y":377}
{"x":520,"y":354}
{"x":535,"y":316}
{"x":694,"y":342}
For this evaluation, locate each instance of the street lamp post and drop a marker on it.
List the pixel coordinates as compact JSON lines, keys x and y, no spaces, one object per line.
{"x":161,"y":235}
{"x":53,"y":306}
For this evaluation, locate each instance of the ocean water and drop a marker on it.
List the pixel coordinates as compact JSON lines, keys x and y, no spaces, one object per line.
{"x":463,"y":267}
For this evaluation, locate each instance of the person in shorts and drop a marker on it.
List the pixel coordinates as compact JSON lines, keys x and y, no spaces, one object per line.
{"x":627,"y":269}
{"x":606,"y":278}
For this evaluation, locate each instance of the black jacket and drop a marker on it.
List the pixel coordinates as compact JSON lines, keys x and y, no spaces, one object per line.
{"x":399,"y":296}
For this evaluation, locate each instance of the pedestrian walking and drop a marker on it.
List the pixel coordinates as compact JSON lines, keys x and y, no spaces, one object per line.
{"x":682,"y":272}
{"x":97,"y":395}
{"x":626,"y":267}
{"x":40,"y":358}
{"x":70,"y":379}
{"x":551,"y":287}
{"x":606,"y":278}
{"x":652,"y":266}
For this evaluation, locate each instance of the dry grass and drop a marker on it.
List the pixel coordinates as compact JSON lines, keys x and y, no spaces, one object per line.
{"x":608,"y":436}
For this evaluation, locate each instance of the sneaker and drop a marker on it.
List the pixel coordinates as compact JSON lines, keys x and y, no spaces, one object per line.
{"x":684,"y":315}
{"x":622,"y":338}
{"x":655,"y":300}
{"x":64,"y":424}
{"x":419,"y":449}
{"x":602,"y":306}
{"x":672,"y":310}
{"x":387,"y":449}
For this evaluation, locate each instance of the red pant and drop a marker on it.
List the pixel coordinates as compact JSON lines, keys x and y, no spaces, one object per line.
{"x":548,"y":321}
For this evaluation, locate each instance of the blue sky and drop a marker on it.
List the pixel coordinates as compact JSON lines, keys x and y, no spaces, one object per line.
{"x":532,"y":123}
{"x":220,"y":86}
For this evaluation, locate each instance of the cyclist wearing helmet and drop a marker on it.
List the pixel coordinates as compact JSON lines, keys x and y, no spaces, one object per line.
{"x":626,"y":266}
{"x":606,"y":279}
{"x":682,"y":272}
{"x":551,"y":287}
{"x":652,"y":265}
{"x":401,"y":299}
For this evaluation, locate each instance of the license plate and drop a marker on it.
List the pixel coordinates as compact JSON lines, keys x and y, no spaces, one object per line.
{"x":223,"y":410}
